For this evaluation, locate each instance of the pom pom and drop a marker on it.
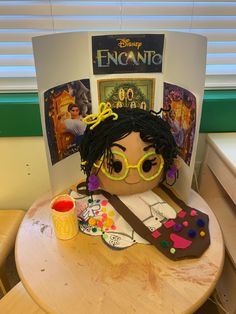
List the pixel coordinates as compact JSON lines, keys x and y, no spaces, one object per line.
{"x":200,"y":222}
{"x":93,"y":183}
{"x":192,"y":233}
{"x":171,"y":172}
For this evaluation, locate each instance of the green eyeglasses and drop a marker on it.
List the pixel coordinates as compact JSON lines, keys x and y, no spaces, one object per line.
{"x":149,"y":166}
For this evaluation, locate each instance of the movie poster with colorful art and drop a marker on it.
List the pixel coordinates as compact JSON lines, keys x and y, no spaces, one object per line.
{"x":132,"y":93}
{"x":65,"y":107}
{"x":181,"y":118}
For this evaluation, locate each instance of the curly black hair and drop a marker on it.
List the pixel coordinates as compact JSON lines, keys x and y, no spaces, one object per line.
{"x":152,"y":128}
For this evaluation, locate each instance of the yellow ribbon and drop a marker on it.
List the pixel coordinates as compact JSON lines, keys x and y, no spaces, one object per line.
{"x":104,"y":112}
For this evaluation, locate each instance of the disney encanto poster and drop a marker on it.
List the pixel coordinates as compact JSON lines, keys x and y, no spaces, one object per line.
{"x":127,"y":53}
{"x":65,"y":107}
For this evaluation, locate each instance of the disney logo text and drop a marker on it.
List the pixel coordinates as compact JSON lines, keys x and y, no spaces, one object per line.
{"x":124,"y":42}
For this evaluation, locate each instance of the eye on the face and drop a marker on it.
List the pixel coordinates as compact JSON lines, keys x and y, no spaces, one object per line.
{"x":117,"y":166}
{"x":147,"y":164}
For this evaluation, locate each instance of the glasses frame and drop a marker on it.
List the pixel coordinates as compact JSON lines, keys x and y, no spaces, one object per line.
{"x":128,"y":166}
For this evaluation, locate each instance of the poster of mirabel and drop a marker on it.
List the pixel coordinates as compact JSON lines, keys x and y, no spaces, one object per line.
{"x":65,"y":107}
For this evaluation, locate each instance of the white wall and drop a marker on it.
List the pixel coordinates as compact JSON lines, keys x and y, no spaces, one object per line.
{"x":23,"y":171}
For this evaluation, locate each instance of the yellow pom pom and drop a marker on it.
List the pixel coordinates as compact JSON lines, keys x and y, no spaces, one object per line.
{"x":202,"y":234}
{"x":111,"y":213}
{"x":108,"y":223}
{"x":92,"y":221}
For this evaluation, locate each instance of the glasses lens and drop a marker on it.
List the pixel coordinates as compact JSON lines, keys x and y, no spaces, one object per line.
{"x":116,"y":168}
{"x":150,"y":166}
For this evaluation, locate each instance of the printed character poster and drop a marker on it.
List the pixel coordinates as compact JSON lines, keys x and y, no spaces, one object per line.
{"x":181,"y":118}
{"x":65,"y":107}
{"x":132,"y":93}
{"x":127,"y":53}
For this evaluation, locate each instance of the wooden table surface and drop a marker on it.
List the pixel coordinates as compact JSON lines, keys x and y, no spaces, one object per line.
{"x":83,"y":275}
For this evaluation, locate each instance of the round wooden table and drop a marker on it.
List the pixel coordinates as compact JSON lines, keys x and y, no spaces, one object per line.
{"x":83,"y":275}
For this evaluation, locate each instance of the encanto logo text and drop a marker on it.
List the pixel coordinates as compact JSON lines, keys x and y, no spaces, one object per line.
{"x":122,"y":54}
{"x":148,"y":57}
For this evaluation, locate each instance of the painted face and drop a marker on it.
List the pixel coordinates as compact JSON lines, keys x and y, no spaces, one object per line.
{"x":135,"y":168}
{"x":74,"y":112}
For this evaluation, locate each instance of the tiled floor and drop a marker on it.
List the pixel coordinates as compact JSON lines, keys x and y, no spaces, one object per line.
{"x":207,"y":308}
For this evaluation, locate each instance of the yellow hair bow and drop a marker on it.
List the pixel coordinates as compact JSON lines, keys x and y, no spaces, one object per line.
{"x":104,"y":112}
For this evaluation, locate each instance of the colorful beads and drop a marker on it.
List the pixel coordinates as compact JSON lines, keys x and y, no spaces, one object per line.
{"x":185,"y":223}
{"x":172,"y":250}
{"x":101,"y":219}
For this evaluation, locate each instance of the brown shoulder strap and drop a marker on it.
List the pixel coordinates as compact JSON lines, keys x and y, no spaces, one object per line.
{"x":138,"y":226}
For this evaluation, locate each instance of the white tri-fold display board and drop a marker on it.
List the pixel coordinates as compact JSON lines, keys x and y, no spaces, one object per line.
{"x":149,"y":70}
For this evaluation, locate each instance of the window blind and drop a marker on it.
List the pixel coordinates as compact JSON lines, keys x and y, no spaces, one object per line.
{"x":21,"y":20}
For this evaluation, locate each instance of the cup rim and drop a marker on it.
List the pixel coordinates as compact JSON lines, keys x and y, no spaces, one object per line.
{"x":59,"y":196}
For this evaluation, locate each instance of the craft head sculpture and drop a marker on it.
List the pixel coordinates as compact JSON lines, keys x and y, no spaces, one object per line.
{"x":128,"y":150}
{"x":131,"y":151}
